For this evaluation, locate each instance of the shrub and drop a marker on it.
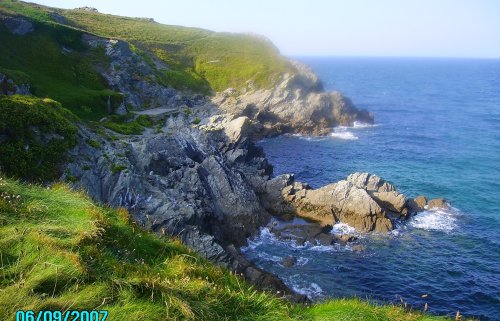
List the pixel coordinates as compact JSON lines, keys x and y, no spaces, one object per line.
{"x":117,"y":168}
{"x":94,"y":143}
{"x":34,"y":134}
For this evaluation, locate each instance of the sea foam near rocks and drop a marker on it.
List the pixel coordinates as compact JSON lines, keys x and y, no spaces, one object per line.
{"x":437,"y":219}
{"x":341,"y":133}
{"x":311,"y":290}
{"x":358,"y":124}
{"x":342,"y":228}
{"x":345,"y":132}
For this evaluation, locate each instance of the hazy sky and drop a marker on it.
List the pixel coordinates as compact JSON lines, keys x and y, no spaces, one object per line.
{"x":437,"y":28}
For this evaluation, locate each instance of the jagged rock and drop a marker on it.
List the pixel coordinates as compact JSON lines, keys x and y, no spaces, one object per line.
{"x":362,"y":200}
{"x":384,"y":193}
{"x":9,"y":87}
{"x":437,"y":203}
{"x":238,"y":128}
{"x":179,"y":185}
{"x":345,"y":238}
{"x":129,"y":74}
{"x":272,"y":197}
{"x":417,"y":204}
{"x":289,"y":261}
{"x":89,"y":9}
{"x":342,"y":202}
{"x":297,"y":104}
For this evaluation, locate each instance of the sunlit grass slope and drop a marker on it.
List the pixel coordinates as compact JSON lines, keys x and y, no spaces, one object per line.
{"x":58,"y":250}
{"x":197,"y":58}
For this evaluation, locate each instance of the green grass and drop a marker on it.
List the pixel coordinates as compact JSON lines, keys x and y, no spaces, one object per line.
{"x":58,"y":250}
{"x":127,"y":124}
{"x":94,"y":143}
{"x":36,"y":134}
{"x":199,"y":60}
{"x":38,"y":59}
{"x":358,"y":310}
{"x":117,"y":168}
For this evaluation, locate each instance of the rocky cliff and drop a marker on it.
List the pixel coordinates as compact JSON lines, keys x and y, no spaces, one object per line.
{"x":194,"y":172}
{"x":297,"y":104}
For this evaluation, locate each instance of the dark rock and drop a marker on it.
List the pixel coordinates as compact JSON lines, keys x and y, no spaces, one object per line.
{"x":345,"y":238}
{"x":289,"y":261}
{"x":325,"y":239}
{"x":272,"y":198}
{"x":261,"y":278}
{"x":59,"y":18}
{"x":358,"y":247}
{"x":17,"y":25}
{"x":9,"y":87}
{"x":181,"y":185}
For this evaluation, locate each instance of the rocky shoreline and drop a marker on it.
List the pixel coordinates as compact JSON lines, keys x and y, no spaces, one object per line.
{"x":199,"y":175}
{"x":213,"y":188}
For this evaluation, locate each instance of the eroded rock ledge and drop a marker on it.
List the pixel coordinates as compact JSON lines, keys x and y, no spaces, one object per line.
{"x":364,"y":201}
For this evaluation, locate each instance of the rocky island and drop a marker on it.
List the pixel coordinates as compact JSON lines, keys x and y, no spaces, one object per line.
{"x":167,"y":130}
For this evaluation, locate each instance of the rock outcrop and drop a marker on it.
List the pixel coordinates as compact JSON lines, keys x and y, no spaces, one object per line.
{"x":17,"y":25}
{"x":297,"y":104}
{"x":9,"y":87}
{"x":194,"y":184}
{"x":364,"y":201}
{"x":129,"y":74}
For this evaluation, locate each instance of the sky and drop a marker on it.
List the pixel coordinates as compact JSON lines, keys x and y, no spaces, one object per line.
{"x":406,"y":28}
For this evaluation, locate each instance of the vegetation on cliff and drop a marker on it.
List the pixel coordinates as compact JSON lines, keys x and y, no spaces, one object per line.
{"x":68,"y":77}
{"x":34,"y":136}
{"x":198,"y":59}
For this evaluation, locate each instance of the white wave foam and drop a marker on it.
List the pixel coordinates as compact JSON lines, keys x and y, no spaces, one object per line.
{"x":342,"y":228}
{"x":266,"y":237}
{"x":436,"y":220}
{"x":358,"y":124}
{"x":322,"y":248}
{"x":346,"y":135}
{"x":269,"y":257}
{"x":301,"y":261}
{"x":311,"y":290}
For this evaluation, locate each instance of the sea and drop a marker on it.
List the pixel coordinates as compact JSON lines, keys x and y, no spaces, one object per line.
{"x":436,"y":133}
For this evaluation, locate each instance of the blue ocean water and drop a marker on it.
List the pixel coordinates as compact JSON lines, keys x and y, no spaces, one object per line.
{"x":437,"y":133}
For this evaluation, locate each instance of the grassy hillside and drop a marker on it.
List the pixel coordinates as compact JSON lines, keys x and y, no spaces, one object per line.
{"x":37,"y":58}
{"x":198,"y":58}
{"x":58,"y":250}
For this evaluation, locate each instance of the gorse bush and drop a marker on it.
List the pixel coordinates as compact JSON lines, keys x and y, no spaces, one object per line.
{"x":34,"y":136}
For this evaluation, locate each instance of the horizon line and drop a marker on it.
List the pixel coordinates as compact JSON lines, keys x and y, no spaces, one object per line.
{"x":384,"y":56}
